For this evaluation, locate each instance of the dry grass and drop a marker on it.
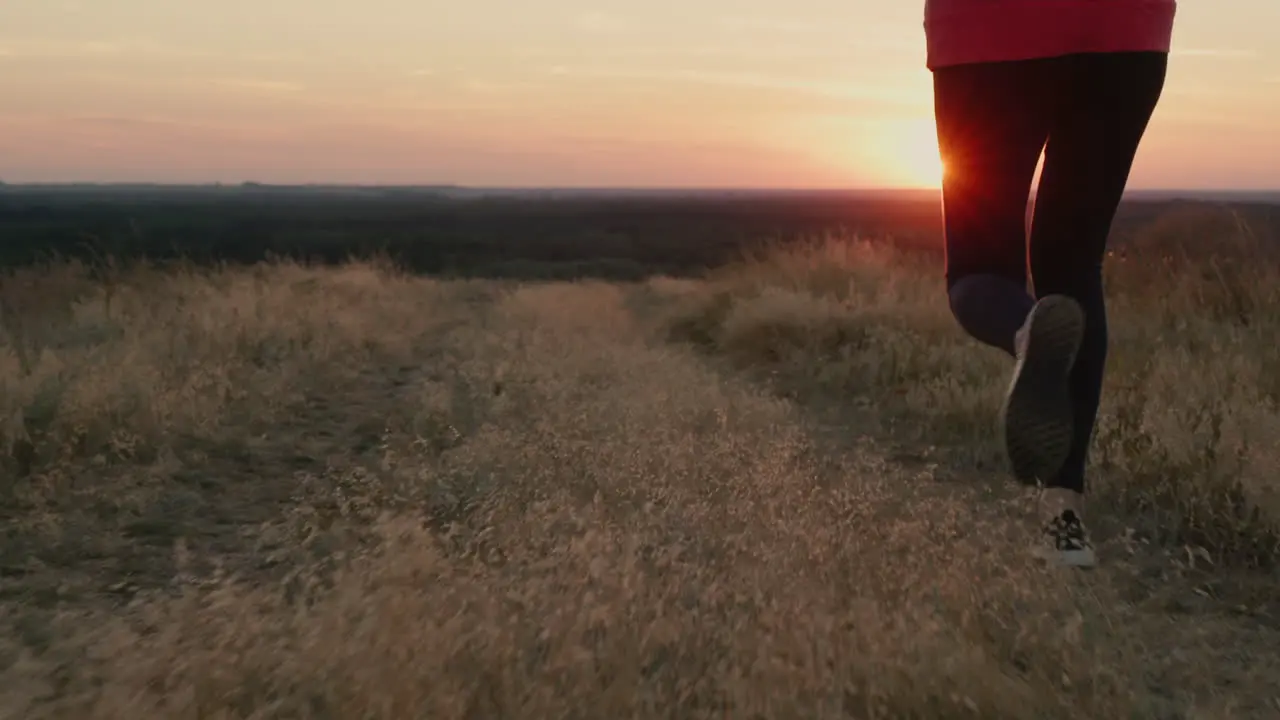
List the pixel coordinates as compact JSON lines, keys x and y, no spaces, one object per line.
{"x":348,"y":493}
{"x":1189,"y":436}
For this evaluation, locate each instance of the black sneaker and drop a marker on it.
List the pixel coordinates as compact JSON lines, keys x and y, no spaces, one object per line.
{"x":1066,"y":542}
{"x":1037,"y":414}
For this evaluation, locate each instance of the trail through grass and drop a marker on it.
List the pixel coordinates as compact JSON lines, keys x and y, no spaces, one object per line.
{"x":348,"y":493}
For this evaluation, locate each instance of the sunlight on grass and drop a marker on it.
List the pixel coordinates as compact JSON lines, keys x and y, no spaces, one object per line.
{"x":1190,"y":427}
{"x":285,"y":491}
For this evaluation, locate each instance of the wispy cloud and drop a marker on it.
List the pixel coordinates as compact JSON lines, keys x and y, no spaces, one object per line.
{"x":723,"y":51}
{"x":768,"y":24}
{"x":422,"y":72}
{"x":1226,"y":53}
{"x":92,"y":48}
{"x":869,"y":36}
{"x":1217,"y":122}
{"x":490,"y":87}
{"x":98,"y":47}
{"x":141,"y":49}
{"x":829,"y":88}
{"x":45,"y":48}
{"x":120,"y":121}
{"x":108,"y":120}
{"x":260,"y":85}
{"x":126,"y":122}
{"x":600,"y":22}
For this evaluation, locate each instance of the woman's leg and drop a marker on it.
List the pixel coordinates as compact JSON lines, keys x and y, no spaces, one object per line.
{"x":993,"y":121}
{"x":1106,"y":104}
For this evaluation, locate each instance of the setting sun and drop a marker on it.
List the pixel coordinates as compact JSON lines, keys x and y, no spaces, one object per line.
{"x":921,"y":165}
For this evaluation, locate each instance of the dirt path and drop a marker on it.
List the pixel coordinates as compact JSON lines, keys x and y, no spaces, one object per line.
{"x":557,"y":512}
{"x":1206,"y":640}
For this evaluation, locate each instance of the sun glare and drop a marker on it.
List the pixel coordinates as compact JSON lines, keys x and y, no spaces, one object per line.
{"x":916,"y":153}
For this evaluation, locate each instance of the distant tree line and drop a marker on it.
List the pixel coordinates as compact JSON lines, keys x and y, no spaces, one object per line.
{"x":621,"y":238}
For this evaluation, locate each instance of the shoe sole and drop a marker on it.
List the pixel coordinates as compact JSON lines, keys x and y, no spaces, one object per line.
{"x":1038,"y":420}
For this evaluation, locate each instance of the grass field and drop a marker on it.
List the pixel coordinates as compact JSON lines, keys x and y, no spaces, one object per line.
{"x":776,"y":493}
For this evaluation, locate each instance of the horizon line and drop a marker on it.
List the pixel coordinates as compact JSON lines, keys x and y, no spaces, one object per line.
{"x":455,"y":187}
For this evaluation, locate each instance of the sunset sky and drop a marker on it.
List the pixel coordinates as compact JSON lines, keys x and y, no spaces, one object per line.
{"x":723,"y":93}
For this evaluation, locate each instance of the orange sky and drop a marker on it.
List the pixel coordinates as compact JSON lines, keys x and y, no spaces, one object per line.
{"x":726,"y":93}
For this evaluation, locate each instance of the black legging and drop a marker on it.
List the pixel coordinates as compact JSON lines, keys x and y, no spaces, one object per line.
{"x":1088,"y":114}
